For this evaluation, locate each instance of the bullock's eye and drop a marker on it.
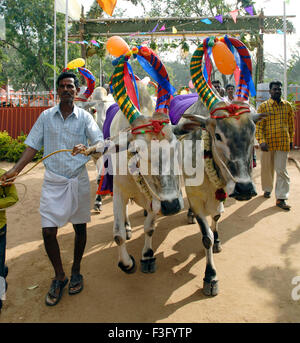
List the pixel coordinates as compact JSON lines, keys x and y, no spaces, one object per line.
{"x":218,"y":137}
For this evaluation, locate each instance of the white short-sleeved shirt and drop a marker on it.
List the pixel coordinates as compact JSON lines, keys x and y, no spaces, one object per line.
{"x":54,"y":133}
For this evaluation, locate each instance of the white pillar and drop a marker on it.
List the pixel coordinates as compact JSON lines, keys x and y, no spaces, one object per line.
{"x":284,"y":52}
{"x":66,"y":33}
{"x":54,"y":57}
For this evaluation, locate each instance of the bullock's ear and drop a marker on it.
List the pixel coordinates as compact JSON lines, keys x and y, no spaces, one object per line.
{"x":185,"y":127}
{"x":201,"y":120}
{"x":88,"y":104}
{"x":256,"y":117}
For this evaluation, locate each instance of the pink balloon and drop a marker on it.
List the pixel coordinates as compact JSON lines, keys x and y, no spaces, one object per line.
{"x":191,"y":85}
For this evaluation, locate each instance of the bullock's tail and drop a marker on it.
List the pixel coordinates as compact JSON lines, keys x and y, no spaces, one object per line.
{"x":295,"y":161}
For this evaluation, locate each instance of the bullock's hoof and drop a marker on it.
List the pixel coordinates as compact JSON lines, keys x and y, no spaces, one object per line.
{"x":128,"y":234}
{"x":210,"y":288}
{"x":148,"y":266}
{"x":191,"y":219}
{"x":127,"y":270}
{"x":217,"y":247}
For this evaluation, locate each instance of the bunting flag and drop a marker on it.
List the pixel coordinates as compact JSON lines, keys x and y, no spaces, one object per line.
{"x":249,"y":10}
{"x":86,"y":42}
{"x":108,"y":6}
{"x":206,"y":21}
{"x":155,"y":28}
{"x":219,"y":18}
{"x":280,"y":32}
{"x":174,"y":30}
{"x":95,"y":43}
{"x":162,"y":28}
{"x":234,"y":14}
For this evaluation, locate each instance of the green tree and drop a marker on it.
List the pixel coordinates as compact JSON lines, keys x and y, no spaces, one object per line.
{"x":29,"y":43}
{"x":275,"y":69}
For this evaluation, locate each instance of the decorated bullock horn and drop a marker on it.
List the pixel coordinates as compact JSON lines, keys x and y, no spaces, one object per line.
{"x":78,"y":64}
{"x":119,"y":90}
{"x":206,"y":94}
{"x":155,"y":68}
{"x":245,"y":84}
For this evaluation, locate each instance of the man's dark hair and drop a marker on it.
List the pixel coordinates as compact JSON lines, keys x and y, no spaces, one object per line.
{"x":216,"y":81}
{"x":229,"y":85}
{"x":276,"y":83}
{"x":68,"y":74}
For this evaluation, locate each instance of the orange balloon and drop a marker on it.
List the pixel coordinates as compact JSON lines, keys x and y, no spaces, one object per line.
{"x":116,"y":46}
{"x":224,"y":58}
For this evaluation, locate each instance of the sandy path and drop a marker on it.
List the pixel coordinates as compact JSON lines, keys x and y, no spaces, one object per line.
{"x":260,"y":257}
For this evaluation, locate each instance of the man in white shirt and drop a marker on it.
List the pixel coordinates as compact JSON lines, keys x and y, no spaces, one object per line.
{"x":66,"y":190}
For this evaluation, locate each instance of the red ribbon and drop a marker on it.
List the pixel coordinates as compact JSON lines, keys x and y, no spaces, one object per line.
{"x":232,"y":109}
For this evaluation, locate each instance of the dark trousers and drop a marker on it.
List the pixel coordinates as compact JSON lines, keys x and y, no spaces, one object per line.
{"x":2,"y":250}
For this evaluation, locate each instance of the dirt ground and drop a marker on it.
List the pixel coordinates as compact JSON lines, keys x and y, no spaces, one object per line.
{"x":260,"y":258}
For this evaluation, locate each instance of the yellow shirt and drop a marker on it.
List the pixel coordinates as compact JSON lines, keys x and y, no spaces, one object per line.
{"x":278,"y":129}
{"x":8,"y":197}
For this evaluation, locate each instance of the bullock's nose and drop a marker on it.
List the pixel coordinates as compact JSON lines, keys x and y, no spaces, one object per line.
{"x":170,"y":207}
{"x":243,"y":191}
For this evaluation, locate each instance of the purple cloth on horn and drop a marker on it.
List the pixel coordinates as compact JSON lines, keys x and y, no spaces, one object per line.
{"x":106,"y":181}
{"x":179,"y":104}
{"x":110,"y":114}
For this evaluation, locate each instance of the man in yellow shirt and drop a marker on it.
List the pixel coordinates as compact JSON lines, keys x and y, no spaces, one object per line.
{"x":275,"y":136}
{"x":8,"y":197}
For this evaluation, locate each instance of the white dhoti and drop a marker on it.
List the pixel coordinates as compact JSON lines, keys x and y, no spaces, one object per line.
{"x":65,"y":200}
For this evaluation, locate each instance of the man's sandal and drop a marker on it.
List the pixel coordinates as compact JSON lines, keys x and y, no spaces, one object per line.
{"x":282,"y":204}
{"x":76,"y":280}
{"x":52,"y":294}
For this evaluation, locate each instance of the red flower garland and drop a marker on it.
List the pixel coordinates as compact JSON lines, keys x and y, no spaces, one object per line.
{"x":221,"y":195}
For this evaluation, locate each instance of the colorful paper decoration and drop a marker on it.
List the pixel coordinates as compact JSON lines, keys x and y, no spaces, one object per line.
{"x":234,"y":14}
{"x":108,"y":6}
{"x":249,"y":10}
{"x":155,"y":28}
{"x":219,"y":18}
{"x":206,"y":21}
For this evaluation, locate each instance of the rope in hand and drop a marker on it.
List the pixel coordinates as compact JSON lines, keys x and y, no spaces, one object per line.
{"x":41,"y":160}
{"x":27,"y":171}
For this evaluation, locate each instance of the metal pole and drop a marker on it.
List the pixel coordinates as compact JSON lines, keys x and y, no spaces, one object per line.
{"x":285,"y":59}
{"x":54,"y":57}
{"x":66,"y":33}
{"x":100,"y":74}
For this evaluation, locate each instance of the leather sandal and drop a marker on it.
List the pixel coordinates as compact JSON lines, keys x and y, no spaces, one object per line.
{"x":52,"y":294}
{"x":76,"y":282}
